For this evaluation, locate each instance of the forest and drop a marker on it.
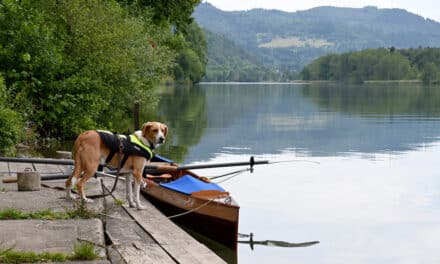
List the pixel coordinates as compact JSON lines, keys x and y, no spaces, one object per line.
{"x":377,"y":64}
{"x":282,"y":43}
{"x":228,"y":62}
{"x":65,"y":65}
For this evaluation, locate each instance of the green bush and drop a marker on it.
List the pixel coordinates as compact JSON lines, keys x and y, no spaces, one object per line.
{"x":11,"y":125}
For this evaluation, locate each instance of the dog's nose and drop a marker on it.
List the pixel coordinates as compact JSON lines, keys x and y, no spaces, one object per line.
{"x":161,"y":140}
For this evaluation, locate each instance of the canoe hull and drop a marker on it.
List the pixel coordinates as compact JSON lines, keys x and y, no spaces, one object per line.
{"x":216,"y":219}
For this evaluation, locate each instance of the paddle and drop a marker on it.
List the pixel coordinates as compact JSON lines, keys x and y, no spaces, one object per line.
{"x":152,"y":166}
{"x":38,"y":160}
{"x":171,"y":168}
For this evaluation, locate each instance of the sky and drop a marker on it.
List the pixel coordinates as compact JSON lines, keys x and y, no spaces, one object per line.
{"x":425,"y":8}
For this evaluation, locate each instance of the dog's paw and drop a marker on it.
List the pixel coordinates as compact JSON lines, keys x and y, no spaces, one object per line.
{"x":71,"y":197}
{"x":87,"y":200}
{"x":141,"y":207}
{"x":132,"y":205}
{"x":143,"y":185}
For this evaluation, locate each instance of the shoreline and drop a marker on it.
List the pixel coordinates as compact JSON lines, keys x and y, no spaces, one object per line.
{"x":318,"y":82}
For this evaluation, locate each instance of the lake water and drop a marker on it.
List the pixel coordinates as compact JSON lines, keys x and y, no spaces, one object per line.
{"x":364,"y":170}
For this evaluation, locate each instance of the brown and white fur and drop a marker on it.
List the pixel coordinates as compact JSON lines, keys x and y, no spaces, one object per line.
{"x":90,"y":151}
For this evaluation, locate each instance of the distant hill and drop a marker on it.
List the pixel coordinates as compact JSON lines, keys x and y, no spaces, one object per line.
{"x":225,"y":58}
{"x":289,"y":41}
{"x":228,"y":61}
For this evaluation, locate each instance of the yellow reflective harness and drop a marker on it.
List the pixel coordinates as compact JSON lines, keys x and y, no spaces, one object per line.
{"x":131,"y":145}
{"x":135,"y":140}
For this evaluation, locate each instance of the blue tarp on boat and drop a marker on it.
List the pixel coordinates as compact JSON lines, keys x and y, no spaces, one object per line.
{"x":188,"y":184}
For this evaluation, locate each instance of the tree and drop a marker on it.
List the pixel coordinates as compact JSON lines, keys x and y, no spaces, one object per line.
{"x":70,"y":63}
{"x":360,"y":66}
{"x":174,"y":12}
{"x":192,"y":58}
{"x":430,"y":73}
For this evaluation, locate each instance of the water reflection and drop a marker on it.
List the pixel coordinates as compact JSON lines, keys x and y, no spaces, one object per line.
{"x":377,"y":100}
{"x":183,"y":109}
{"x":273,"y":243}
{"x":312,"y":120}
{"x":376,"y":178}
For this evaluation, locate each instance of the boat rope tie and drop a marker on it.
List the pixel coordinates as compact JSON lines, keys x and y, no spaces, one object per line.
{"x":195,"y":209}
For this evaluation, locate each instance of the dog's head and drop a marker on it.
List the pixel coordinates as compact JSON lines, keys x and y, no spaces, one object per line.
{"x":155,"y":133}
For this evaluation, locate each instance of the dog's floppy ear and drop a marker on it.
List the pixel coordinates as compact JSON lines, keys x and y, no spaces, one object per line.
{"x":165,"y":129}
{"x":146,"y":127}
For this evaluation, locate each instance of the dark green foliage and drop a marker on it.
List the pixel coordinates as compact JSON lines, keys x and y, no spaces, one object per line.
{"x":377,"y":64}
{"x":187,"y":41}
{"x":192,"y":58}
{"x":11,"y":124}
{"x":189,"y":66}
{"x":167,"y":12}
{"x":68,"y":64}
{"x":427,"y":61}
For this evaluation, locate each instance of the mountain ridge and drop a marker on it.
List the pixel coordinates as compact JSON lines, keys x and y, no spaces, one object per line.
{"x":290,"y":40}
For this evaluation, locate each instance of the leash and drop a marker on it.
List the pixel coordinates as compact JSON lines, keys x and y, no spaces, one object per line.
{"x":118,"y":171}
{"x":121,"y":160}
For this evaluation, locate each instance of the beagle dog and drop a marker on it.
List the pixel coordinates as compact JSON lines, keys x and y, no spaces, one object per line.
{"x":90,"y":151}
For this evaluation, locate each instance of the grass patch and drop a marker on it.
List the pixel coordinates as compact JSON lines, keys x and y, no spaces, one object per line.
{"x":119,"y":202}
{"x":12,"y":256}
{"x":79,"y":211}
{"x":12,"y":213}
{"x":82,"y":251}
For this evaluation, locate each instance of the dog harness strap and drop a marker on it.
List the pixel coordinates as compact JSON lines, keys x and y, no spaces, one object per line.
{"x":112,"y":141}
{"x":110,"y":157}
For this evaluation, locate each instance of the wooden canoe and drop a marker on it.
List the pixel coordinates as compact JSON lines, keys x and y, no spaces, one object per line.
{"x":199,"y":205}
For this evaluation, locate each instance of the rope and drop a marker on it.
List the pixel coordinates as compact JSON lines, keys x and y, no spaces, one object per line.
{"x":194,"y":209}
{"x":233,"y":176}
{"x":294,"y":160}
{"x":229,"y":173}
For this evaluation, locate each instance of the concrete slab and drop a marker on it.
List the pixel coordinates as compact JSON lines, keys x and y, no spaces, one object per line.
{"x":51,"y":236}
{"x":138,"y":236}
{"x":46,"y":198}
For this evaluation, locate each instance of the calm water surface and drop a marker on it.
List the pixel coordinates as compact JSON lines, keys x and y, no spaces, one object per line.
{"x":366,"y":180}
